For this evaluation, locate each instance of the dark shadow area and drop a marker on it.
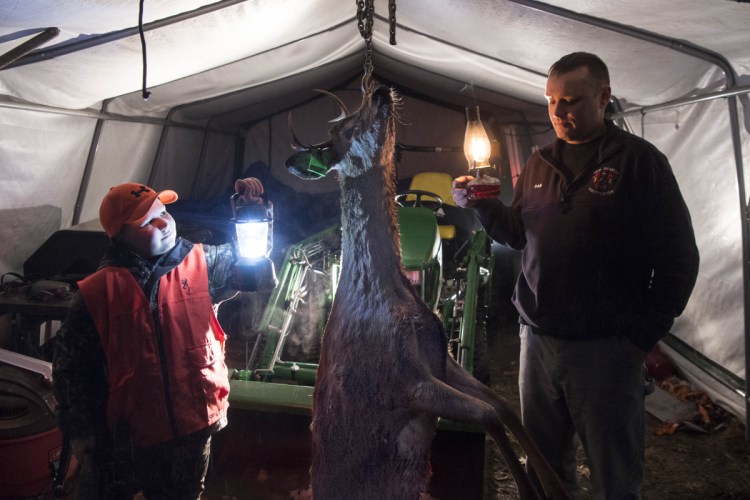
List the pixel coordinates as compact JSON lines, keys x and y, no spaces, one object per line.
{"x":266,"y":456}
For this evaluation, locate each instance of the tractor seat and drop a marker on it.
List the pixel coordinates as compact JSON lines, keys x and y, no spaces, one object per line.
{"x":439,"y":183}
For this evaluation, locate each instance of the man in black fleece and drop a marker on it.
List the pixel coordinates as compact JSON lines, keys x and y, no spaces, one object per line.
{"x":609,"y":260}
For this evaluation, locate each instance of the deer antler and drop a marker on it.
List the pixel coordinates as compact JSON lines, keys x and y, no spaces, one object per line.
{"x":298,"y":145}
{"x":344,"y":109}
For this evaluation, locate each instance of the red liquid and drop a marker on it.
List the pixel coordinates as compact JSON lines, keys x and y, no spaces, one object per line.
{"x":482,"y":191}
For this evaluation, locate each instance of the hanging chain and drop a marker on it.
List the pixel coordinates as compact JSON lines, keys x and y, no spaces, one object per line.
{"x":392,"y":21}
{"x":365,"y":15}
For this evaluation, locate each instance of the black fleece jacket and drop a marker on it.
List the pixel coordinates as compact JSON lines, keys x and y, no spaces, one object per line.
{"x":610,"y":252}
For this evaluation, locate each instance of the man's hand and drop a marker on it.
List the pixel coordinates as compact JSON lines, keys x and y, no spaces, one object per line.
{"x":250,"y":190}
{"x":459,"y":191}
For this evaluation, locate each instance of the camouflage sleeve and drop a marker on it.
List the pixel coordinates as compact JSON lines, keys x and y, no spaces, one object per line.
{"x":220,"y":260}
{"x":79,"y":375}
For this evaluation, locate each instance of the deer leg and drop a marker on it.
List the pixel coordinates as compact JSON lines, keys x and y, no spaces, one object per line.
{"x":461,"y":380}
{"x":437,"y":398}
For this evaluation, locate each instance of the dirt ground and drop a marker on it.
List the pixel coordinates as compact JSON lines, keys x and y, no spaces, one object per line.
{"x":685,"y":465}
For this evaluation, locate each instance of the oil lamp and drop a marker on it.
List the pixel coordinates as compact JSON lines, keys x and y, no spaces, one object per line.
{"x":253,"y":224}
{"x":476,"y":143}
{"x":477,"y":149}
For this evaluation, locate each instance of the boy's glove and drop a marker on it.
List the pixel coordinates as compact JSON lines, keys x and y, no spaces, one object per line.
{"x":250,"y":190}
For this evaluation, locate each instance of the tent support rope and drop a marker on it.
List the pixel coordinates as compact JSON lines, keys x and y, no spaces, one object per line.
{"x":146,"y":94}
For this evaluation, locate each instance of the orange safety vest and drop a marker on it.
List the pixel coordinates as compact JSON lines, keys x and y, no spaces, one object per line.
{"x":177,"y":362}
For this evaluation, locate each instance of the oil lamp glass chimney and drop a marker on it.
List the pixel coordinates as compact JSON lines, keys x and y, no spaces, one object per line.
{"x":478,"y":149}
{"x":476,"y":142}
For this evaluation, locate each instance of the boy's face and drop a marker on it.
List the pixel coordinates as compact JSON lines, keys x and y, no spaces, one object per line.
{"x":152,"y":235}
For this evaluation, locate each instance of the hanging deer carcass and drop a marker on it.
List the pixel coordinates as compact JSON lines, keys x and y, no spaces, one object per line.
{"x":385,"y":375}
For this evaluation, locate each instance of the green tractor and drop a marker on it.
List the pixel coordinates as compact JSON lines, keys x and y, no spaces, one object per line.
{"x":450,"y":266}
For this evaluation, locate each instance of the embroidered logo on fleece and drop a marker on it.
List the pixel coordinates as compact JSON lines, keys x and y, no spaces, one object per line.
{"x":185,"y":285}
{"x":604,"y":181}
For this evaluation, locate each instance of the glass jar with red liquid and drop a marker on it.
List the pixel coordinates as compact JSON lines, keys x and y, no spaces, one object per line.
{"x":483,"y":187}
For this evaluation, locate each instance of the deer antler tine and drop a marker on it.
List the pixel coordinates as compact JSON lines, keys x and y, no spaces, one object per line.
{"x":297,"y":145}
{"x":344,"y":109}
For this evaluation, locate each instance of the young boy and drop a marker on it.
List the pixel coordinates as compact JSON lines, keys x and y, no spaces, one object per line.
{"x":139,"y":370}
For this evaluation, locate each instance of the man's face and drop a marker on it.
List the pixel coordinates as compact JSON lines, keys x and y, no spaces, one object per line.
{"x":153,"y":235}
{"x":576,"y":105}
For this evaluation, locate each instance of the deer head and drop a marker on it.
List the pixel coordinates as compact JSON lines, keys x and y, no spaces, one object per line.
{"x":358,"y":141}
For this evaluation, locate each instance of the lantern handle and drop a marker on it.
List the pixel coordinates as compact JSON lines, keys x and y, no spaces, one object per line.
{"x":265,"y":206}
{"x":233,"y":204}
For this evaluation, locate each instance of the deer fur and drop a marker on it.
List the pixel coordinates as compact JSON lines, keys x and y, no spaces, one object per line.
{"x":385,"y":375}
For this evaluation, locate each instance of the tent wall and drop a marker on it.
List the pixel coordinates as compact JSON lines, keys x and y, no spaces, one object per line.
{"x":197,"y":164}
{"x":124,"y":152}
{"x":224,"y":76}
{"x":42,"y":158}
{"x":693,"y":137}
{"x":422,"y":122}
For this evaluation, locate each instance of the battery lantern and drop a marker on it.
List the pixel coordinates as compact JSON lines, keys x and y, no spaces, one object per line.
{"x":253,"y":226}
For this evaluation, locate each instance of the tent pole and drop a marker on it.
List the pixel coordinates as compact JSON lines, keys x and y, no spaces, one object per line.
{"x":734,"y":120}
{"x":745,"y":89}
{"x":27,"y":46}
{"x":677,"y":45}
{"x":68,"y":48}
{"x":201,"y":163}
{"x":160,"y":147}
{"x":89,"y":113}
{"x":83,"y":188}
{"x":239,"y":155}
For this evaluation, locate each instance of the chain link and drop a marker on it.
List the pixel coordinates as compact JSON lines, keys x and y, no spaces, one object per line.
{"x":365,"y":11}
{"x":392,"y":21}
{"x":365,"y":15}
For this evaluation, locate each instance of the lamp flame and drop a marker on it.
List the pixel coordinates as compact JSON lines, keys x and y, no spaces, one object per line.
{"x":477,"y":147}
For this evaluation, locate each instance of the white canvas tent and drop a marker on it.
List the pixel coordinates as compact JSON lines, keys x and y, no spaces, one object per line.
{"x":223,"y":76}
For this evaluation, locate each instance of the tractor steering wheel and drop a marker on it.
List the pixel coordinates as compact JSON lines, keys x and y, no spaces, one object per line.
{"x":433,"y":204}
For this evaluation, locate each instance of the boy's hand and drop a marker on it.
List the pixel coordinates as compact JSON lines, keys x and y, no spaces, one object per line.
{"x":250,"y":190}
{"x":459,"y":191}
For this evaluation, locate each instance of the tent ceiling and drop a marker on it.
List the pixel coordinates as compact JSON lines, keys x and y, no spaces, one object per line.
{"x":472,"y":46}
{"x":229,"y":64}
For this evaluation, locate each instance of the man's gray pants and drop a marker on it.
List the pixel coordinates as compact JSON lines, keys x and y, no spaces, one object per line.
{"x":592,"y":388}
